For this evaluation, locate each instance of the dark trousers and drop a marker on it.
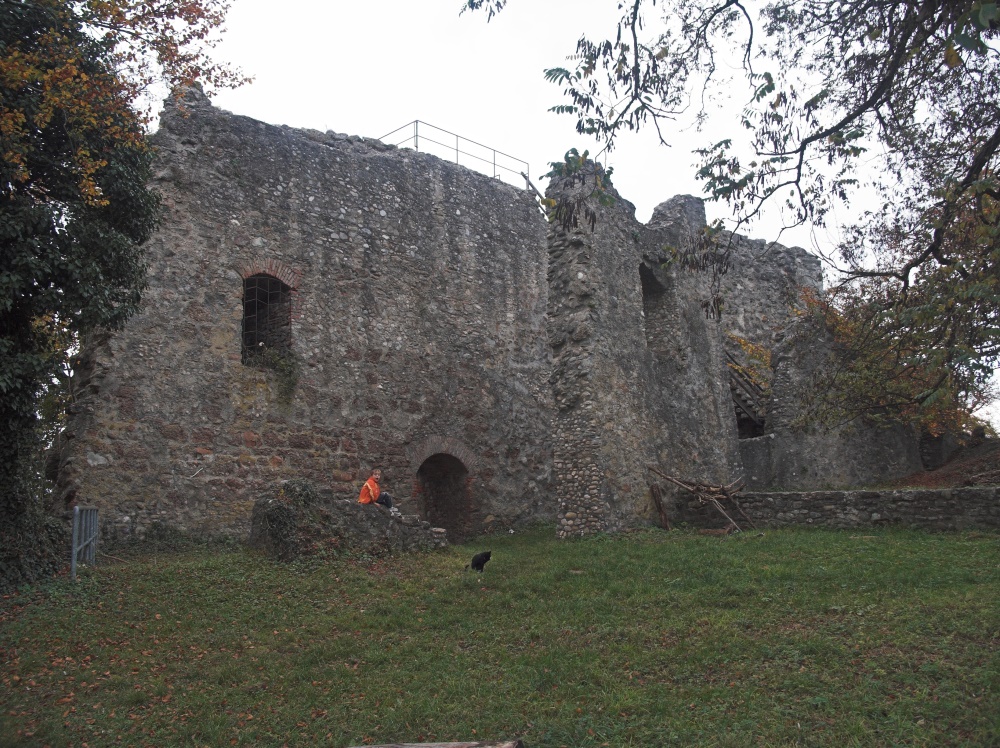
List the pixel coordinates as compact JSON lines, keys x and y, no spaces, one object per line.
{"x":385,"y":500}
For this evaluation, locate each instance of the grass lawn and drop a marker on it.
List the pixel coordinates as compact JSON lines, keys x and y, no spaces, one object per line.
{"x":813,"y":638}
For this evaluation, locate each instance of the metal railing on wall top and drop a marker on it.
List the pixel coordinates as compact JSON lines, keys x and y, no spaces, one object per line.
{"x":465,"y":151}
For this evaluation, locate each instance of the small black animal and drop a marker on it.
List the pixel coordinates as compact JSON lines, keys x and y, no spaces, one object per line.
{"x":479,"y":561}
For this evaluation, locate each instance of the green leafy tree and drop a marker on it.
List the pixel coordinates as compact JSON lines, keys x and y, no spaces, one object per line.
{"x":903,"y":96}
{"x":923,"y":352}
{"x":74,"y":206}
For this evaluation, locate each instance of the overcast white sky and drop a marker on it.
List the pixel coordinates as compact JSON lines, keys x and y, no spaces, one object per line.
{"x":367,"y":67}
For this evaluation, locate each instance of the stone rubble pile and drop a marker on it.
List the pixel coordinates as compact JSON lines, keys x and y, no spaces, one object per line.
{"x":299,"y":521}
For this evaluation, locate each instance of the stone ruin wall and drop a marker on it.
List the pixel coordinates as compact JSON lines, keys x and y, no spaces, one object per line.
{"x":636,"y":378}
{"x":764,"y":283}
{"x":641,"y":376}
{"x":417,"y":326}
{"x":793,"y":457}
{"x":764,"y":303}
{"x":499,"y":369}
{"x":638,"y":371}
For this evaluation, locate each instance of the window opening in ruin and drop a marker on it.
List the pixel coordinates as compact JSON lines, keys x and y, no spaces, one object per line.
{"x":446,"y":498}
{"x":747,"y":425}
{"x":655,"y":312}
{"x":267,"y":318}
{"x":749,"y":399}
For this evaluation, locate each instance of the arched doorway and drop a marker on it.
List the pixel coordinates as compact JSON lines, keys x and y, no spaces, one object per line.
{"x":444,"y":488}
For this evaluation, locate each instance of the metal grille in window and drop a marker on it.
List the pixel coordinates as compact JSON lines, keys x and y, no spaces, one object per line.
{"x":267,"y":317}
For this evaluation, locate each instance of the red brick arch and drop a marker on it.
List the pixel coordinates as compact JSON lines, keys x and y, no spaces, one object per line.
{"x":435,"y":444}
{"x":288,"y":275}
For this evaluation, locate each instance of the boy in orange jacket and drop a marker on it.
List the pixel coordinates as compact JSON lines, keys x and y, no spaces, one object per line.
{"x":372,"y":494}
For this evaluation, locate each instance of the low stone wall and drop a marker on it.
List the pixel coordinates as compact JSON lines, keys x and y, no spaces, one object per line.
{"x":941,"y":509}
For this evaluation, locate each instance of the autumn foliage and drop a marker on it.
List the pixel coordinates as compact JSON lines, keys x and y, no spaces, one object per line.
{"x":139,"y":43}
{"x":74,"y":205}
{"x":917,"y":359}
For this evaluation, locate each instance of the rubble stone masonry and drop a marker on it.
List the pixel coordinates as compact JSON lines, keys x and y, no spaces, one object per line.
{"x":320,"y":305}
{"x":417,"y":328}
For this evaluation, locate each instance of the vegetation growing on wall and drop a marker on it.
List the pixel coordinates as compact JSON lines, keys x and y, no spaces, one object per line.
{"x":285,"y":367}
{"x":577,"y":170}
{"x":756,"y":367}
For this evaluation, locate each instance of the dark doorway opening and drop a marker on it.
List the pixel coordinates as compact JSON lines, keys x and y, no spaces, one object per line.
{"x":748,"y":427}
{"x":447,"y":502}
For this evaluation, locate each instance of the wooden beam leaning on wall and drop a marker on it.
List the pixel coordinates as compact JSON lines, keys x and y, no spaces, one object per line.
{"x":657,"y":494}
{"x":708,"y":493}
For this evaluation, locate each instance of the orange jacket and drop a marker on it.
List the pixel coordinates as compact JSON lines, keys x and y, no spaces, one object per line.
{"x":369,"y":492}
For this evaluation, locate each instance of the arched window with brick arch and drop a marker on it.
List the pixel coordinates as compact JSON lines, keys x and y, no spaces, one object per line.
{"x":267,"y":317}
